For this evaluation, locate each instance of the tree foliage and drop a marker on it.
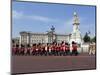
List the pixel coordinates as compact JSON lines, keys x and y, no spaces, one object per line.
{"x":86,"y":38}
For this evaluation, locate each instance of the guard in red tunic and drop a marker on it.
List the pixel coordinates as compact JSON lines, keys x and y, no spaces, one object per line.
{"x":44,"y":47}
{"x":22,"y":50}
{"x":33,"y":49}
{"x":52,"y":49}
{"x":28,"y":49}
{"x":60,"y":50}
{"x":13,"y":50}
{"x":39,"y":48}
{"x":17,"y":49}
{"x":63,"y":48}
{"x":74,"y":49}
{"x":67,"y":49}
{"x":48,"y":49}
{"x":57,"y":49}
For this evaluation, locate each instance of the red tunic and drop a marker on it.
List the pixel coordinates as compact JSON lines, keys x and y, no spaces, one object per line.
{"x":22,"y":49}
{"x":67,"y":47}
{"x":57,"y":48}
{"x":53,"y":48}
{"x":17,"y":49}
{"x":74,"y":47}
{"x":33,"y":48}
{"x":63,"y":47}
{"x":28,"y":49}
{"x":13,"y":49}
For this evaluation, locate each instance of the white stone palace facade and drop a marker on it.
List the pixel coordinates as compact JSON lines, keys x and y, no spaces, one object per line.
{"x":30,"y":38}
{"x":51,"y":36}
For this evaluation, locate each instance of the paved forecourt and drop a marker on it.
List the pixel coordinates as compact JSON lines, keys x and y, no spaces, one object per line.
{"x":29,"y":64}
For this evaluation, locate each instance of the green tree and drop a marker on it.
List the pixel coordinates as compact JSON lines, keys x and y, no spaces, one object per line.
{"x":86,"y":38}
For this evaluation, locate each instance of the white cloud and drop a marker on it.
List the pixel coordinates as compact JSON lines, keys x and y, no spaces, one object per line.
{"x":21,"y":15}
{"x":41,"y":18}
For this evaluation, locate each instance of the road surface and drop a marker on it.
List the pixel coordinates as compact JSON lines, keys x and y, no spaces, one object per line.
{"x":34,"y":64}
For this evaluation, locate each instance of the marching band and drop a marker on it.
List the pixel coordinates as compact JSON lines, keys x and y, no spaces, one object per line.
{"x":51,"y":49}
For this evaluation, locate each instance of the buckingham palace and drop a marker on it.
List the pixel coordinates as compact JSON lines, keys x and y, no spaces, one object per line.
{"x":49,"y":37}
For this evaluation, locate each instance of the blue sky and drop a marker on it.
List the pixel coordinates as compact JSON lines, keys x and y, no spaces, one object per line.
{"x":39,"y":17}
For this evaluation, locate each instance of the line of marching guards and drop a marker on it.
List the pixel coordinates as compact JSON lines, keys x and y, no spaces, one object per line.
{"x":54,"y":49}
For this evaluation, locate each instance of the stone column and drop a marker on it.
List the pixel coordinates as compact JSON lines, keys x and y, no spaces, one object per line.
{"x":20,"y":41}
{"x":27,"y":39}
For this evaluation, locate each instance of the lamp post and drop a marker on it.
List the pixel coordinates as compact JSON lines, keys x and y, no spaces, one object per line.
{"x":52,"y":31}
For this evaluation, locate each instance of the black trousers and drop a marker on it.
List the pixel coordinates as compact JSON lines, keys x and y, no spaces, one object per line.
{"x":22,"y":52}
{"x":74,"y":52}
{"x":17,"y":52}
{"x":28,"y":52}
{"x":44,"y":52}
{"x":61,"y":52}
{"x":67,"y":52}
